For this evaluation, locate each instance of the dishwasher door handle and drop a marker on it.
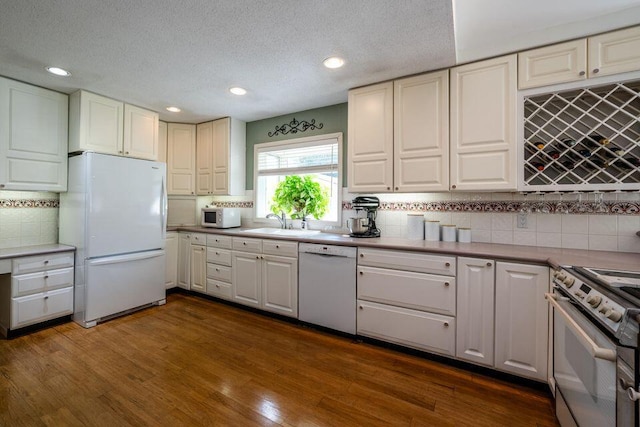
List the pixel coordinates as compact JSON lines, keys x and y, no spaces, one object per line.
{"x":325,"y":255}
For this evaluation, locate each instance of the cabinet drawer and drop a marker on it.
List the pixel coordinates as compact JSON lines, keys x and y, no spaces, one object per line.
{"x":219,"y":256}
{"x":247,"y":245}
{"x":219,"y":289}
{"x":427,"y":292}
{"x":219,"y":241}
{"x":280,"y":247}
{"x":40,"y":307}
{"x":417,"y":329}
{"x":411,"y":261}
{"x":30,"y":264}
{"x":25,"y":284}
{"x":198,"y":239}
{"x":219,"y":272}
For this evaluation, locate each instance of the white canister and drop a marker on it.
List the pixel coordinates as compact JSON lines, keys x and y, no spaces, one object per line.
{"x":432,"y":231}
{"x":415,"y":226}
{"x":464,"y":235}
{"x":448,"y":233}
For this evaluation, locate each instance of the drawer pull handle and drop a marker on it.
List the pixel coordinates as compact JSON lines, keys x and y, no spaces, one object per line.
{"x":361,"y":308}
{"x":446,"y":283}
{"x":447,"y":264}
{"x":446,"y":324}
{"x":46,"y":262}
{"x":596,"y":71}
{"x":277,"y":246}
{"x":46,"y":277}
{"x":218,"y":270}
{"x":244,"y":243}
{"x":257,"y":257}
{"x":361,"y":273}
{"x":217,"y":253}
{"x":581,"y":73}
{"x":488,"y":264}
{"x":361,"y":255}
{"x":217,"y":286}
{"x":46,"y":297}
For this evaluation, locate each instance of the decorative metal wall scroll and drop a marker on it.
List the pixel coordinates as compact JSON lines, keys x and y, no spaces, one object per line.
{"x":295,"y":126}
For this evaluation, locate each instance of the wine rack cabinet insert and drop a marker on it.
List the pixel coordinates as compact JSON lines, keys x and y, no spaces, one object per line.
{"x":582,"y":139}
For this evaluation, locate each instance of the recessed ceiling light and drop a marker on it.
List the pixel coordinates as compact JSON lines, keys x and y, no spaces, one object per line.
{"x":58,"y":71}
{"x":238,"y":91}
{"x":174,"y":109}
{"x":333,"y":62}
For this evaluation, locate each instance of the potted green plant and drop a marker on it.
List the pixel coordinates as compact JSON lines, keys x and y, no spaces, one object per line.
{"x":300,"y":197}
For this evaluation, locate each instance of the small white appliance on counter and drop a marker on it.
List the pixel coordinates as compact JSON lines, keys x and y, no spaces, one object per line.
{"x":220,"y":217}
{"x":115,"y":214}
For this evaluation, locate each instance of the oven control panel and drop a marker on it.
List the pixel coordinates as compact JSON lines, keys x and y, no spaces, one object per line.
{"x":603,"y":308}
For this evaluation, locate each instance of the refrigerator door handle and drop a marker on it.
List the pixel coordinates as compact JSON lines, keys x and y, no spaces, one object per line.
{"x":124,"y":258}
{"x":164,"y":208}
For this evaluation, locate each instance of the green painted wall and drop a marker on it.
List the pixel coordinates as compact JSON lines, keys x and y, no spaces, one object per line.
{"x":333,"y":119}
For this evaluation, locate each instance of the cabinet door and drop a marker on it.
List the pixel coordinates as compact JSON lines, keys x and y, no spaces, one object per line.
{"x":140,"y":133}
{"x":171,"y":266}
{"x":181,"y":159}
{"x":96,"y":123}
{"x":421,"y":133}
{"x":33,"y":138}
{"x":474,"y":340}
{"x":613,"y":53}
{"x":483,"y":125}
{"x":204,"y":150}
{"x":246,"y":275}
{"x":280,"y":285}
{"x":370,"y":163}
{"x":162,"y":141}
{"x":522,"y":319}
{"x":184,"y":266}
{"x":560,"y":63}
{"x":221,"y":141}
{"x":198,"y":268}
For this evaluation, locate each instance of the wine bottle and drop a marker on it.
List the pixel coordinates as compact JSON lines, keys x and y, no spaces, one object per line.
{"x":599,"y":163}
{"x":633,"y":161}
{"x":539,"y":145}
{"x":585,"y":153}
{"x":554,"y":154}
{"x":569,"y":142}
{"x":568,"y":164}
{"x":594,"y":140}
{"x":538,"y":166}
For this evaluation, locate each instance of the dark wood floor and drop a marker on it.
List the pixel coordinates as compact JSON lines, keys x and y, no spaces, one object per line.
{"x":196,"y":362}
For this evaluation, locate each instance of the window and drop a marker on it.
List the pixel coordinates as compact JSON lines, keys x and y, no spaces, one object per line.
{"x":319,"y":157}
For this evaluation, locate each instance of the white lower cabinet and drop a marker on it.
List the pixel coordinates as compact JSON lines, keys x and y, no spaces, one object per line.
{"x":40,"y":307}
{"x":411,"y":308}
{"x":219,"y":266}
{"x":263,"y":278}
{"x":184,"y":264}
{"x":474,"y":341}
{"x":412,"y":328}
{"x":522,"y":321}
{"x":171,"y":266}
{"x":198,"y":263}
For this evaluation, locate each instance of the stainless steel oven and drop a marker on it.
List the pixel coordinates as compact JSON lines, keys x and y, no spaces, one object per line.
{"x":595,"y":352}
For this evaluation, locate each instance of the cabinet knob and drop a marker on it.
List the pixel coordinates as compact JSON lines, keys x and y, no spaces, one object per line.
{"x":257,"y":257}
{"x":488,"y":264}
{"x":388,"y":188}
{"x":446,"y":283}
{"x":361,"y":273}
{"x":277,"y":246}
{"x":396,"y":188}
{"x":581,"y":73}
{"x":447,"y":264}
{"x":119,"y":151}
{"x":361,"y":308}
{"x":1,"y":185}
{"x":218,"y":270}
{"x":46,"y":262}
{"x":217,"y":253}
{"x":126,"y":152}
{"x":446,"y":324}
{"x":361,"y":255}
{"x":596,"y":70}
{"x":244,"y":243}
{"x":46,"y":277}
{"x":453,"y":187}
{"x":46,"y":297}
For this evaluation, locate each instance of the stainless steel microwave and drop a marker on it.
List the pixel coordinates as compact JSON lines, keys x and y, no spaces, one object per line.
{"x":220,"y":217}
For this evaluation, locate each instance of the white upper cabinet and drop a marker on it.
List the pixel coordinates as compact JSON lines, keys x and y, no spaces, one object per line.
{"x":560,"y":63}
{"x":399,"y":135}
{"x":33,"y":138}
{"x":483,"y":125}
{"x":162,"y":141}
{"x":615,"y":52}
{"x":421,"y":133}
{"x":370,"y":163}
{"x":140,"y":133}
{"x":221,"y":149}
{"x":181,"y":159}
{"x":602,"y":55}
{"x":104,"y":125}
{"x":96,"y":123}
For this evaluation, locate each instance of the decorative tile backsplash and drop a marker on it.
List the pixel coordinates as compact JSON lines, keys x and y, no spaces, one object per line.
{"x":28,"y":218}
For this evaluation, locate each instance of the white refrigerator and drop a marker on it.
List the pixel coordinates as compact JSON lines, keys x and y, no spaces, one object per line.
{"x":115,"y":214}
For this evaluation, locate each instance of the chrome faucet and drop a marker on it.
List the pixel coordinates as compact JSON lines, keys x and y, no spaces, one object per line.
{"x":282,"y":219}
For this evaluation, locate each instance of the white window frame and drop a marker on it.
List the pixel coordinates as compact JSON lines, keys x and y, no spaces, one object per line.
{"x":292,"y":143}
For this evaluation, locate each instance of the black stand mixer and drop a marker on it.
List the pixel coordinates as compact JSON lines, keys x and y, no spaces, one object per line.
{"x":364,"y":227}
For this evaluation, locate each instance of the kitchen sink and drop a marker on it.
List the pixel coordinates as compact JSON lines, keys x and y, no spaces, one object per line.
{"x":281,"y":232}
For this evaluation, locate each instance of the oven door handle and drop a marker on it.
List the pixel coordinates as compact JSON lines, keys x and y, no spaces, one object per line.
{"x":594,"y":349}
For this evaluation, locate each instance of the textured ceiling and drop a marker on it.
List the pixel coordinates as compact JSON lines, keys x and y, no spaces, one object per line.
{"x":189,"y":52}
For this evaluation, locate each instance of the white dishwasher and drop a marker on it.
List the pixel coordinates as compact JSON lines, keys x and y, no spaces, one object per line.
{"x":327,"y":286}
